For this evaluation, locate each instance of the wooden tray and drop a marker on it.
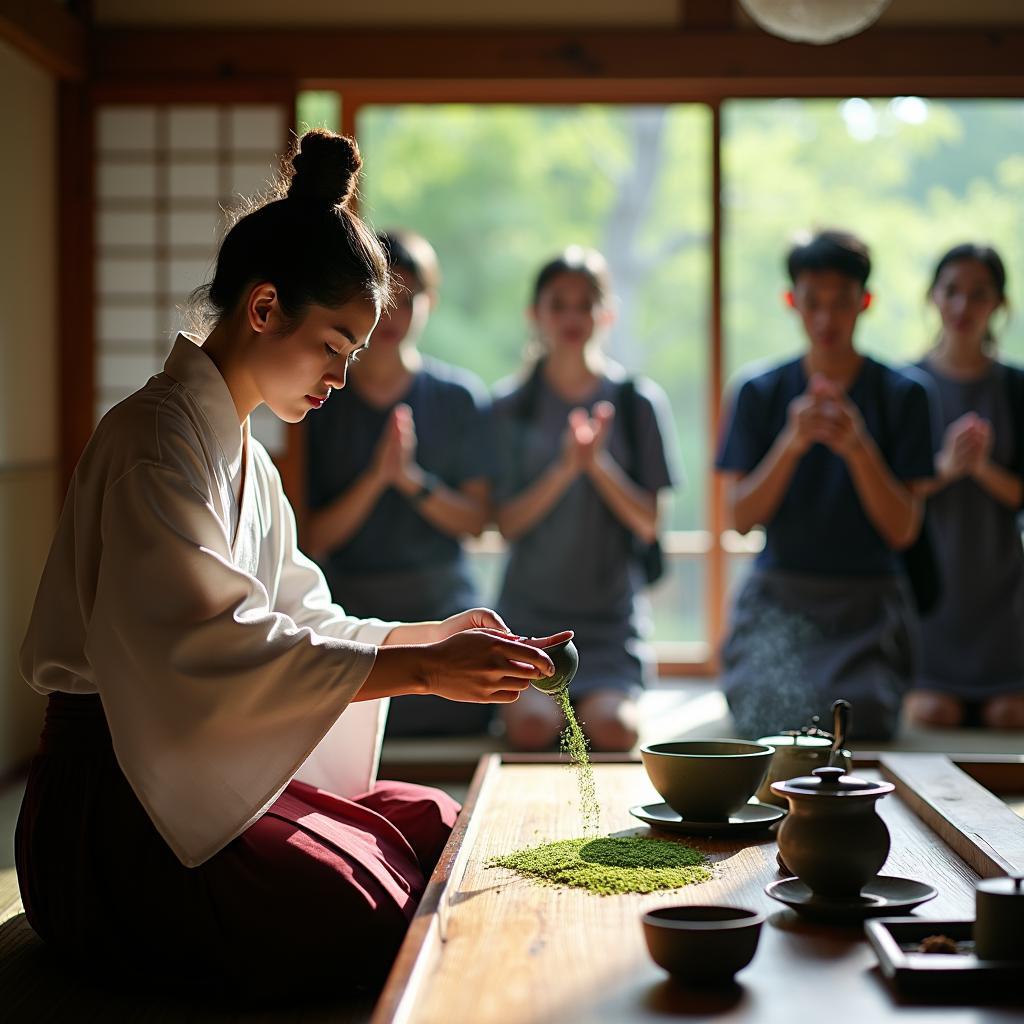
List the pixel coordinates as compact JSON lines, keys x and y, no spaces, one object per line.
{"x":946,"y":977}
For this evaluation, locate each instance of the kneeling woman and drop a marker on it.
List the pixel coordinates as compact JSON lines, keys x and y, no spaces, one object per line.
{"x":197,"y":669}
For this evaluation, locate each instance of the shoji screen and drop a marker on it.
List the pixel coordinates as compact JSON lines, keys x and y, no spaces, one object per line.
{"x":165,"y":175}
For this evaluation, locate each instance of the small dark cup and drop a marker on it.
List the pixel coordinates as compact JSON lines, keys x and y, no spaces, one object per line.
{"x":566,"y":660}
{"x":702,"y":947}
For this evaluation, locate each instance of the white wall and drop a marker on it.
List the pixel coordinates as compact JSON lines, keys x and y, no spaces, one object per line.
{"x":28,"y":385}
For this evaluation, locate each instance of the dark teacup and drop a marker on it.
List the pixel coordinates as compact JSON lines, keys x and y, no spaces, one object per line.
{"x":702,"y":946}
{"x":706,"y":780}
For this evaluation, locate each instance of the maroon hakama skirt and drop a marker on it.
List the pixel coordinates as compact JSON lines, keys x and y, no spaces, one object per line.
{"x":319,"y":891}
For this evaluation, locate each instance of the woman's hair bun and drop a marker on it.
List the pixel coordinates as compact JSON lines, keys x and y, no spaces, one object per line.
{"x":324,"y":168}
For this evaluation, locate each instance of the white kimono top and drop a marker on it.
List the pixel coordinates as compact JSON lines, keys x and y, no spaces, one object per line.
{"x":218,"y":654}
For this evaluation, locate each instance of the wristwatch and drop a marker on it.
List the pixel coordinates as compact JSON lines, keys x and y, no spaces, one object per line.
{"x":431,"y":482}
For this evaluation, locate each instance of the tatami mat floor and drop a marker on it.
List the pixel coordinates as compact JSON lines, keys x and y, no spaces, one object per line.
{"x":35,"y":988}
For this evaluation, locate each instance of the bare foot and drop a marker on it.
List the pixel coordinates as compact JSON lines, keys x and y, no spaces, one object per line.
{"x":932,"y":709}
{"x":609,"y":718}
{"x":1006,"y":712}
{"x":533,"y":722}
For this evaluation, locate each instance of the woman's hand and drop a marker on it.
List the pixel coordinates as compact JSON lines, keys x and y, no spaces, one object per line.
{"x":984,"y":438}
{"x":577,"y":439}
{"x":601,"y":430}
{"x":965,"y":445}
{"x":586,"y":436}
{"x":474,"y":618}
{"x":483,"y":666}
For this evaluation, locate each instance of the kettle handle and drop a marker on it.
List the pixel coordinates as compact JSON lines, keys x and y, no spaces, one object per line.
{"x":840,"y":727}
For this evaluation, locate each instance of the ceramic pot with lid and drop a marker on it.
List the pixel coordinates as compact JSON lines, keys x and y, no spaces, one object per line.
{"x":833,"y":839}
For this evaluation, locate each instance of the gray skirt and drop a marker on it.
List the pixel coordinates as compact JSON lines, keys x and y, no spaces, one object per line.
{"x":797,"y":642}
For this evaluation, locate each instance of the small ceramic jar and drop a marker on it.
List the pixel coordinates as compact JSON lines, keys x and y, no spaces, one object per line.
{"x":999,"y":919}
{"x":833,"y":839}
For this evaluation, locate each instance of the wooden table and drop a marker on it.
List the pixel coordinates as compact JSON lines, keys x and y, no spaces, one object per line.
{"x":487,"y":946}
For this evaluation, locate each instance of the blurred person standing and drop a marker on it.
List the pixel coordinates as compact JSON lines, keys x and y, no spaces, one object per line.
{"x":829,"y":452}
{"x":973,"y":643}
{"x":397,"y":476}
{"x":583,"y":454}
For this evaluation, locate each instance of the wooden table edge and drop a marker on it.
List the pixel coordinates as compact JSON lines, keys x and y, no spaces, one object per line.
{"x":421,"y":947}
{"x":969,"y":818}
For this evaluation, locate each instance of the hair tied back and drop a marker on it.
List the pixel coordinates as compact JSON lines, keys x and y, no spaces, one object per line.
{"x":324,"y":169}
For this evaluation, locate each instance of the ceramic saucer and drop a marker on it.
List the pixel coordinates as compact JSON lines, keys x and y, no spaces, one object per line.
{"x":883,"y":896}
{"x":749,"y":818}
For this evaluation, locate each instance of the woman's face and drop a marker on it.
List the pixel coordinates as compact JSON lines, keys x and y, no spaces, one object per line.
{"x":568,"y":311}
{"x":407,"y":318}
{"x":295,"y":370}
{"x":966,"y":297}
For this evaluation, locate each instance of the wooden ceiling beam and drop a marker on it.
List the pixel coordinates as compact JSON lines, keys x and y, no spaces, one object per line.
{"x":46,"y":33}
{"x":707,"y":14}
{"x":891,"y":55}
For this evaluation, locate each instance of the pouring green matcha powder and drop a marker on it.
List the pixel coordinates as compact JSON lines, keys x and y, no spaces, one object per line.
{"x":606,"y":866}
{"x":574,"y":744}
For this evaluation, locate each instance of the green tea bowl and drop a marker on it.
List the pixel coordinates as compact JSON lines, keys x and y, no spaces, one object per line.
{"x":702,"y":946}
{"x":566,"y":660}
{"x":706,"y":780}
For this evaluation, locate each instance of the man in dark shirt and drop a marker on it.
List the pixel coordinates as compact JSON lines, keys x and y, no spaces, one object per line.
{"x":828,"y":452}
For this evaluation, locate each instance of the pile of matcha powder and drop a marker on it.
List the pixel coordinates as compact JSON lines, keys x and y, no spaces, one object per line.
{"x":610,"y":866}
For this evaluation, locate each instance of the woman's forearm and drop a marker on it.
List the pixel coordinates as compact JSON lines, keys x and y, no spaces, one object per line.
{"x":396,"y":670}
{"x":634,"y":507}
{"x":531,"y":505}
{"x":1006,"y":487}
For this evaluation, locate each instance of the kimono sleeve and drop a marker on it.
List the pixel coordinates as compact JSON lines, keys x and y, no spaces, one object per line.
{"x":346,"y":759}
{"x":213,"y":698}
{"x":302,"y":591}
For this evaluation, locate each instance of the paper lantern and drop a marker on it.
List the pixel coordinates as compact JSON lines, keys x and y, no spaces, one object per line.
{"x":814,"y":21}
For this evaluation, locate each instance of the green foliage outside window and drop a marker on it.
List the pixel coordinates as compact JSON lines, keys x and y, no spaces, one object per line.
{"x":500,"y":188}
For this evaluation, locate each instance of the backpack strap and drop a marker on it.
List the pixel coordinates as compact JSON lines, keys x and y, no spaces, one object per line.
{"x":1013,"y":380}
{"x":627,"y":411}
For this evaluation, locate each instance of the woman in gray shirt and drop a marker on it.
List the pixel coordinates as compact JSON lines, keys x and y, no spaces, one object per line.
{"x":973,"y":656}
{"x":581,"y":459}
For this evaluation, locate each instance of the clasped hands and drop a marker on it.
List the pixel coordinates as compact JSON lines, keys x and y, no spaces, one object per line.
{"x":966,"y":447}
{"x":586,"y":437}
{"x":824,"y":414}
